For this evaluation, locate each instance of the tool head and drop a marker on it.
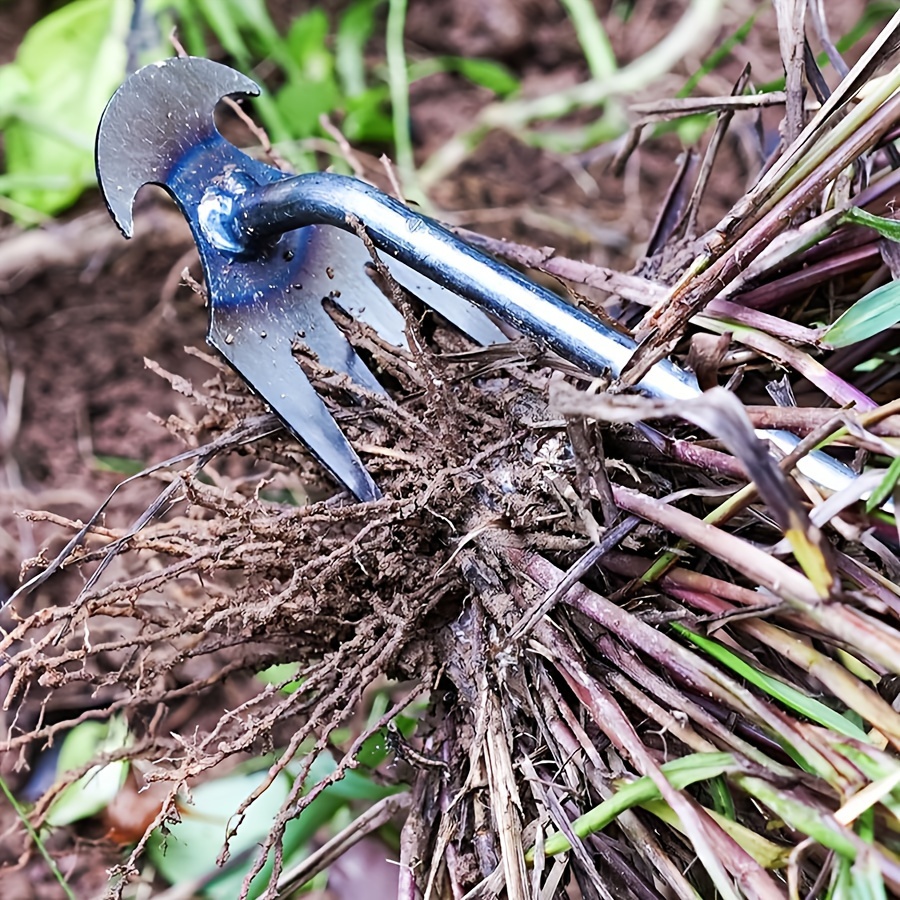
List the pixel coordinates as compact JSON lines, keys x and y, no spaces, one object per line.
{"x":160,"y":128}
{"x":157,"y":117}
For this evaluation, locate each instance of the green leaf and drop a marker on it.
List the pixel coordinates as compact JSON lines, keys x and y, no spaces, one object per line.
{"x":311,"y":89}
{"x":841,"y":882}
{"x":253,"y":17}
{"x":353,"y":32}
{"x":282,"y":674}
{"x":190,"y":848}
{"x":68,"y":66}
{"x":307,"y":40}
{"x":722,"y":52}
{"x":374,"y":751}
{"x":123,"y":465}
{"x":220,"y":17}
{"x":187,"y":18}
{"x":680,"y":773}
{"x":353,"y":786}
{"x":367,"y":117}
{"x":807,"y":818}
{"x":97,"y":788}
{"x":886,"y":488}
{"x":866,"y":881}
{"x":887,"y":228}
{"x":875,"y":767}
{"x":14,"y":89}
{"x":767,"y":853}
{"x":723,"y":802}
{"x":483,"y":72}
{"x":792,"y":698}
{"x":870,"y":315}
{"x":301,"y":103}
{"x":36,"y":838}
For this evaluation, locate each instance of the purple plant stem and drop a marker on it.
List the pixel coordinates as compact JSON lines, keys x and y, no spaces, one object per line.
{"x":798,"y":284}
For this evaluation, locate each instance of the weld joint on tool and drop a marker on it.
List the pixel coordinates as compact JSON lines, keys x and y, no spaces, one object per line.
{"x":217,"y":214}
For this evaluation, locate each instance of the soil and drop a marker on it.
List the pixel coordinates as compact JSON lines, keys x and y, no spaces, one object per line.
{"x":75,"y":338}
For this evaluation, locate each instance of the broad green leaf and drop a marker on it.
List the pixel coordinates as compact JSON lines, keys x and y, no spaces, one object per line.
{"x":870,"y":315}
{"x":190,"y":848}
{"x":311,"y":88}
{"x":281,"y":674}
{"x":307,"y":40}
{"x":367,"y":117}
{"x":353,"y":786}
{"x":97,"y":788}
{"x":71,"y":61}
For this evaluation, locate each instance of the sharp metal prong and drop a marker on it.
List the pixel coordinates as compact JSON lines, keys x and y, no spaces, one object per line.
{"x":277,"y":377}
{"x":454,"y":308}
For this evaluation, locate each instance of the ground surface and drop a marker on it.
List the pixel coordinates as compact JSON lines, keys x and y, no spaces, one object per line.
{"x":75,"y":337}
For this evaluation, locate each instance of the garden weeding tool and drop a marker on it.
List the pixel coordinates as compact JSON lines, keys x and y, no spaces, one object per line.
{"x":274,"y":246}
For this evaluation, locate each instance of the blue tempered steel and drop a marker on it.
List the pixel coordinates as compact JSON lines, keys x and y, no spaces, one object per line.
{"x":274,"y":246}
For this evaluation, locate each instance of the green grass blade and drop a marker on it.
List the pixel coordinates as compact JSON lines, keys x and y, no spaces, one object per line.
{"x":719,"y":54}
{"x":23,"y":818}
{"x":398,"y":79}
{"x":888,"y":228}
{"x":722,"y":800}
{"x":886,"y":488}
{"x":816,"y":824}
{"x":353,"y":32}
{"x":681,"y":773}
{"x":792,"y":698}
{"x":767,"y":853}
{"x":870,"y":315}
{"x":592,"y":36}
{"x":866,"y":881}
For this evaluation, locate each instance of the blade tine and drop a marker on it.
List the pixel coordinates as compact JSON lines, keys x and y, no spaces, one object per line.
{"x":346,"y":258}
{"x":284,"y":303}
{"x":456,"y":309}
{"x":280,"y":381}
{"x":336,"y":265}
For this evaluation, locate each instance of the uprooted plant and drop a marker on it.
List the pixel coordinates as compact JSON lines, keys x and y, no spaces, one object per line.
{"x":638,"y":648}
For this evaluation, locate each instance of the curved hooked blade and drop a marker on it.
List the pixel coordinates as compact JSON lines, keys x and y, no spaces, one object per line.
{"x":154,"y":120}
